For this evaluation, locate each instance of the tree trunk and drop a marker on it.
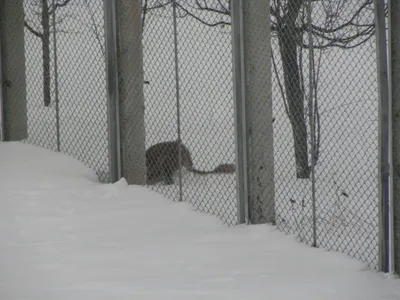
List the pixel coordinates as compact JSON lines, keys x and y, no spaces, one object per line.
{"x":46,"y":53}
{"x":287,"y":37}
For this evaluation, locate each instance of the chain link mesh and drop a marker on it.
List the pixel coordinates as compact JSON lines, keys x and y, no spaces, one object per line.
{"x":325,"y":99}
{"x":343,"y":110}
{"x":73,"y":121}
{"x":161,"y":117}
{"x":344,"y":115}
{"x":205,"y":90}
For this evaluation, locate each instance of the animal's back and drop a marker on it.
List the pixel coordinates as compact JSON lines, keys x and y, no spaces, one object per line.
{"x":162,"y":160}
{"x":169,"y":151}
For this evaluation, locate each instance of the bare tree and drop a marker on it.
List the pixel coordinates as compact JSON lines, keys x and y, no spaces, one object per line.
{"x":41,"y":28}
{"x":94,"y":25}
{"x":345,"y":24}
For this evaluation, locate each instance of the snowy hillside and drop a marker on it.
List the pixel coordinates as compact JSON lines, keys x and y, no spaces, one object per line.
{"x":65,"y":236}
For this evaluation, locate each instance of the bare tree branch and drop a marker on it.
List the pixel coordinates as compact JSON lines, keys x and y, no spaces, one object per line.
{"x":348,"y":34}
{"x":211,"y":24}
{"x":58,"y":5}
{"x":94,"y":28}
{"x":33,"y":31}
{"x":144,"y":12}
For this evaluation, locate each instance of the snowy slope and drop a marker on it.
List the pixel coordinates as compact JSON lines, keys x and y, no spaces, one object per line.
{"x":63,"y":235}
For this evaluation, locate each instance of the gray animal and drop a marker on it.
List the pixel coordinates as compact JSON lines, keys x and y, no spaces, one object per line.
{"x":162,"y":161}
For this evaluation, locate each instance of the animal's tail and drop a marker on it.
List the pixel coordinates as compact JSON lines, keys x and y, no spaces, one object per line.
{"x":225,"y":168}
{"x":220,"y":169}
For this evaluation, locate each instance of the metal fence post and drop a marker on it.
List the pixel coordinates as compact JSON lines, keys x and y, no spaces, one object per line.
{"x":394,"y":67}
{"x":311,"y":120}
{"x":56,"y":76}
{"x":112,"y":90}
{"x":1,"y":92}
{"x":130,"y":90}
{"x":240,"y":111}
{"x":178,"y":110}
{"x":253,"y":98}
{"x":391,"y":169}
{"x":384,"y":128}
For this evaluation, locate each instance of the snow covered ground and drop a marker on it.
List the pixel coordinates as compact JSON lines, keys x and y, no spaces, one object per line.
{"x":64,"y":235}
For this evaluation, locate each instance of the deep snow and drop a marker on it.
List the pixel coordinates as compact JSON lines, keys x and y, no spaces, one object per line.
{"x":64,"y":235}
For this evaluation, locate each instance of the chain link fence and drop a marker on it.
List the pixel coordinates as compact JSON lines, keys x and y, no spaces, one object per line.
{"x":325,"y":114}
{"x":189,"y":98}
{"x":324,"y":108}
{"x":326,"y":95}
{"x":65,"y":79}
{"x":325,"y":102}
